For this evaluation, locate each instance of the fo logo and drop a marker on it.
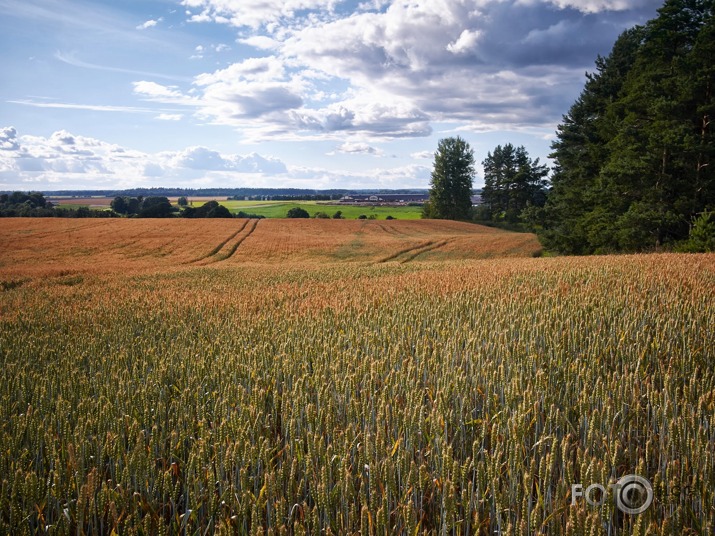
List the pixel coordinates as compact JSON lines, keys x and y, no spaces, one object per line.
{"x":633,"y":494}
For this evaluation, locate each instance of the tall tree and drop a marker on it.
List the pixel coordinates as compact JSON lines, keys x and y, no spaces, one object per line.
{"x":580,"y":150}
{"x":633,"y":155}
{"x":512,"y":182}
{"x":452,"y":180}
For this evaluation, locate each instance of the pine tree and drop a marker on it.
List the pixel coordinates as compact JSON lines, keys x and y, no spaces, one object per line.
{"x":512,"y":182}
{"x":633,"y":154}
{"x":574,"y":221}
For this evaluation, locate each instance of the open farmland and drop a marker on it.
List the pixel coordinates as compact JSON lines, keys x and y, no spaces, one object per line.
{"x":279,"y":209}
{"x":267,"y":209}
{"x":346,"y":377}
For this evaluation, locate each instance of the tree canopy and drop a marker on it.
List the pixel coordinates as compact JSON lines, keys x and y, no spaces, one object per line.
{"x":297,"y":212}
{"x":512,"y":183}
{"x":450,"y":195}
{"x":633,"y":154}
{"x":210,"y":209}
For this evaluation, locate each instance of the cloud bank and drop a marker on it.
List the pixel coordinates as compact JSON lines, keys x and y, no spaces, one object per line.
{"x":78,"y":162}
{"x":382,"y":70}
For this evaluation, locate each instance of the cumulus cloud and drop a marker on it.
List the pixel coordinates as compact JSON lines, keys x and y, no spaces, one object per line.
{"x":392,"y":69}
{"x":84,"y":160}
{"x":8,"y":139}
{"x":511,"y":63}
{"x":202,"y":158}
{"x":42,"y":163}
{"x":467,"y":41}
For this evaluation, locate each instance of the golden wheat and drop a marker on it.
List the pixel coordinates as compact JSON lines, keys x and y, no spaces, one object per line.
{"x":434,"y":397}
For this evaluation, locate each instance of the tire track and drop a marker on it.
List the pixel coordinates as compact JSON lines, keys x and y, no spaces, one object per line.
{"x":218,"y":248}
{"x":425,"y":250}
{"x":80,"y":227}
{"x":392,"y":231}
{"x":233,"y":248}
{"x":412,"y":253}
{"x":406,"y":250}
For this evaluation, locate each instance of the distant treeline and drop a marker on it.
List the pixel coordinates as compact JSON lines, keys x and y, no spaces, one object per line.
{"x":161,"y":207}
{"x":237,"y":193}
{"x":34,"y":205}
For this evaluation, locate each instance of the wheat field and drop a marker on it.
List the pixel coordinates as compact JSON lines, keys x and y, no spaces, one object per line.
{"x":346,"y":377}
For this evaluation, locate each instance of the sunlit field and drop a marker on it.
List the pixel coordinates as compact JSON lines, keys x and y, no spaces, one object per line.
{"x":279,"y":209}
{"x":267,"y":209}
{"x":346,"y":377}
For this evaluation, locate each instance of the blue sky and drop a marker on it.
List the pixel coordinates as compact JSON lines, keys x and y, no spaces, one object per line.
{"x":285,"y":93}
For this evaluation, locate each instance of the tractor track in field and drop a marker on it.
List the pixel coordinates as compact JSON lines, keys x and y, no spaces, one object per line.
{"x":433,"y":247}
{"x":219,"y":247}
{"x":395,"y":255}
{"x":80,"y":227}
{"x":238,"y":242}
{"x":393,"y":231}
{"x":410,"y":254}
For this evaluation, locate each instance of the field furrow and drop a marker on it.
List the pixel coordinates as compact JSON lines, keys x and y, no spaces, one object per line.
{"x":231,"y":250}
{"x":221,"y":245}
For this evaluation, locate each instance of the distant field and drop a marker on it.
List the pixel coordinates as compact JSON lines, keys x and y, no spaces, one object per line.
{"x":279,"y":209}
{"x":267,"y":209}
{"x":98,"y":203}
{"x":346,"y":377}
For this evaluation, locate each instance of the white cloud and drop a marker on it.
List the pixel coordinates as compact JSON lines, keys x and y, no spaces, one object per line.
{"x":66,"y":156}
{"x":466,"y":42}
{"x":8,"y":139}
{"x":250,"y":13}
{"x":390,"y":69}
{"x":89,"y":107}
{"x":423,"y":155}
{"x":598,"y":6}
{"x":357,"y":148}
{"x":149,"y":24}
{"x":160,"y":93}
{"x":79,"y":162}
{"x":170,"y":117}
{"x":261,"y":42}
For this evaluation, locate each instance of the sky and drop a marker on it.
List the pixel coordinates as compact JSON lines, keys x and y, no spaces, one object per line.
{"x":318,"y":94}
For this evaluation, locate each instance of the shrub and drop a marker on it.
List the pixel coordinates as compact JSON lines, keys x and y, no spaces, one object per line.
{"x":297,"y":212}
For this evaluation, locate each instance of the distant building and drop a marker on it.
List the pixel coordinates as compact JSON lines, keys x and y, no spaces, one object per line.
{"x":384,"y":199}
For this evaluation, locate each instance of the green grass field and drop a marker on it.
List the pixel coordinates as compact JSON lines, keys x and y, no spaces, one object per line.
{"x":279,"y":209}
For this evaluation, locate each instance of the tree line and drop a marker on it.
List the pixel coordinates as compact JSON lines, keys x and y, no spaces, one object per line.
{"x":633,"y":156}
{"x":34,"y":205}
{"x":161,"y":207}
